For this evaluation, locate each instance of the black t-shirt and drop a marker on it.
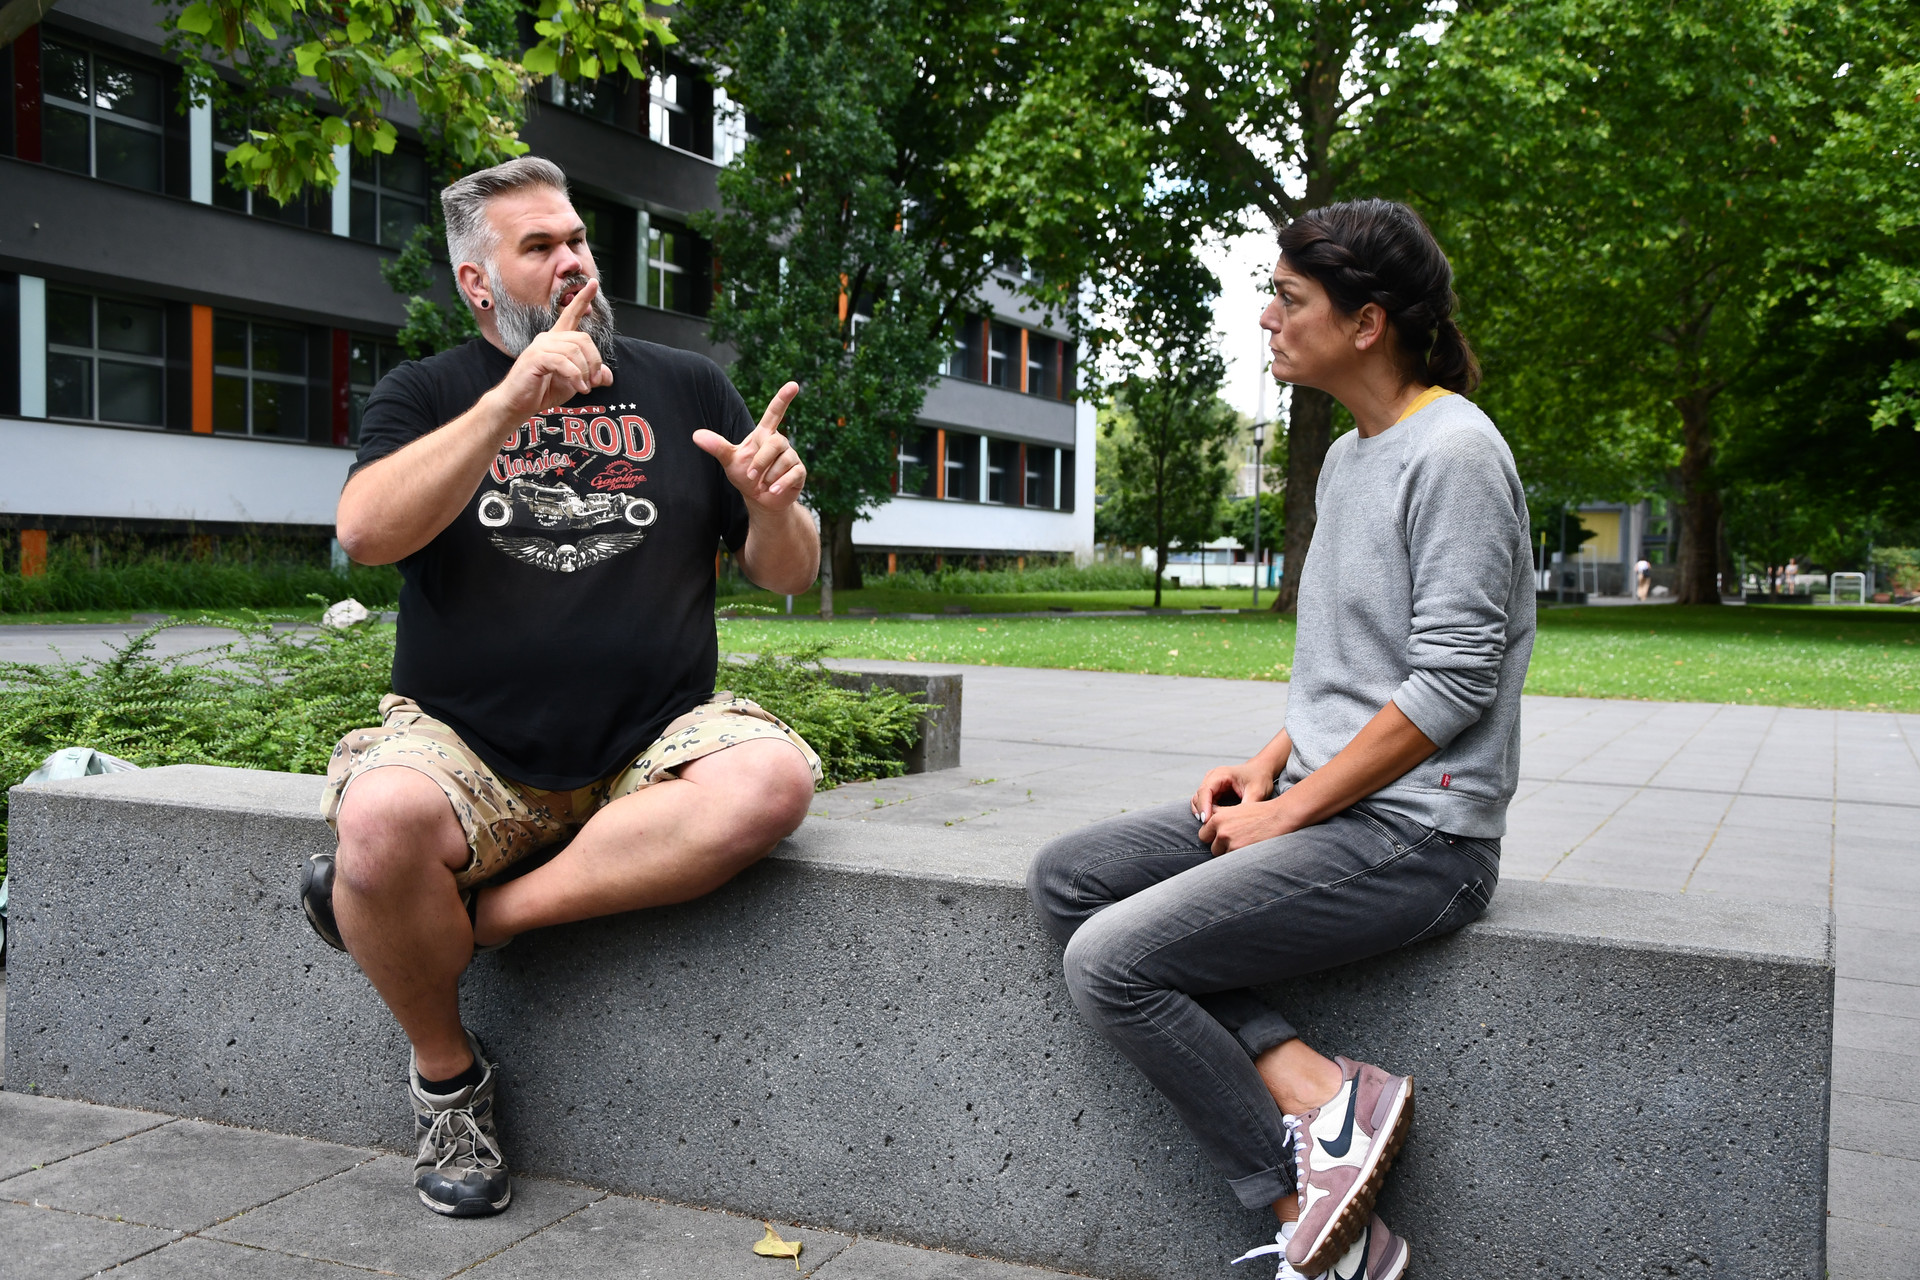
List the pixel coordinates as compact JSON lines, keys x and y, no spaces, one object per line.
{"x":566,"y":615}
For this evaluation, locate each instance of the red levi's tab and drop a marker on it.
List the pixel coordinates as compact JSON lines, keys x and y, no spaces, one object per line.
{"x":1446,"y":779}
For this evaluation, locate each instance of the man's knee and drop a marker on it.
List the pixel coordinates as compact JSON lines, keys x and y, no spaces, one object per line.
{"x":768,"y":787}
{"x":1096,"y":965}
{"x":392,"y":822}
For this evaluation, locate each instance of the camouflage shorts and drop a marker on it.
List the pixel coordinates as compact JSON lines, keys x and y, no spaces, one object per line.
{"x":506,"y":820}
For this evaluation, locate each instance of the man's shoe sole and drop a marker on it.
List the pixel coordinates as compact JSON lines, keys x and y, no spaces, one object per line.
{"x":316,"y":899}
{"x":472,"y":1207}
{"x":1352,"y":1217}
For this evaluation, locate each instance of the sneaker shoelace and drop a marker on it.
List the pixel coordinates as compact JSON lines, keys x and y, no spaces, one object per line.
{"x":1297,"y":1131}
{"x":1279,"y":1246}
{"x":455,"y":1133}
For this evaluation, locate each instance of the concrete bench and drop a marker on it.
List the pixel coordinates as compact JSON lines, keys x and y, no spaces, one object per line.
{"x":869,"y":1032}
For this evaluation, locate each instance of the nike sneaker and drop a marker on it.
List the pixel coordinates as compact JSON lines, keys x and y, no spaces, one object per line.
{"x":1377,"y":1254}
{"x":1342,"y":1151}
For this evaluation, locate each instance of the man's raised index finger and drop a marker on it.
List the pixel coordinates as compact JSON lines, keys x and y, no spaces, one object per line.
{"x":569,"y":320}
{"x":777,"y":407}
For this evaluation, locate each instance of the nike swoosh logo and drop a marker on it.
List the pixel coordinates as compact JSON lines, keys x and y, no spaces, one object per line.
{"x":1338,"y":1147}
{"x":1366,"y":1249}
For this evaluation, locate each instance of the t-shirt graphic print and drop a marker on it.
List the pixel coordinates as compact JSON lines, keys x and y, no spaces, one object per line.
{"x":569,"y":505}
{"x":565,"y":616}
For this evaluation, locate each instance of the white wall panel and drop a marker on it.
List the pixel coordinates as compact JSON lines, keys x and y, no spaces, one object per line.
{"x":54,"y":469}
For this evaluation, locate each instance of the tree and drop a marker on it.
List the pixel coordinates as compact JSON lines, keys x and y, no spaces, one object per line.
{"x":287,"y":62}
{"x":1237,"y":521}
{"x":1616,"y":180}
{"x":857,"y":229}
{"x":1171,"y":467}
{"x":822,"y":283}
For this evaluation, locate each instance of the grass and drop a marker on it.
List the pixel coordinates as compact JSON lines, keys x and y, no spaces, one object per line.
{"x":111,"y":617}
{"x":883,"y":599}
{"x":1797,"y":656}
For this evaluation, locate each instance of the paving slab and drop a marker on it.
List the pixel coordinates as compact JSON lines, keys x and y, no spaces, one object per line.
{"x":198,"y":1258}
{"x":1869,"y":1251}
{"x":187,"y":1175}
{"x":877,"y":1260}
{"x":1866,"y":995}
{"x":1877,"y":1189}
{"x":37,"y":1131}
{"x":1874,"y":1126}
{"x":622,"y":1238}
{"x":369,"y":1217}
{"x":47,"y":1244}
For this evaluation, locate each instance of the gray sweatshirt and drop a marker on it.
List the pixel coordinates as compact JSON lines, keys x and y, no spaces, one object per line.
{"x":1419,"y":588}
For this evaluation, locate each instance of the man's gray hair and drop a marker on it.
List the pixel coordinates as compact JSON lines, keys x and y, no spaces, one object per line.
{"x":470,"y":234}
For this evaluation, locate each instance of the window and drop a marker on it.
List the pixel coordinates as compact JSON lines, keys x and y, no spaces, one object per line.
{"x":369,"y":359}
{"x":672,"y":280}
{"x":915,"y":457}
{"x":1003,"y":471}
{"x":964,"y":360}
{"x":1043,"y":366}
{"x":729,"y":128}
{"x":963,"y":466}
{"x":259,"y":378}
{"x":596,"y":99}
{"x":667,"y":119}
{"x":1066,"y":480}
{"x":106,"y":359}
{"x":610,"y":239}
{"x":1003,"y":356}
{"x":1040,"y":462}
{"x":228,"y":134}
{"x":102,"y":116}
{"x":389,"y":197}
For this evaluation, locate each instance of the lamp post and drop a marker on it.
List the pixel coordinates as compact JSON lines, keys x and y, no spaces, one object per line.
{"x":1259,"y":441}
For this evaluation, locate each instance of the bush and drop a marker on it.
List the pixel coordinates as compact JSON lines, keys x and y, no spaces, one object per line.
{"x":280,"y":699}
{"x":979,"y":582}
{"x":194,"y":585}
{"x":1899,"y":567}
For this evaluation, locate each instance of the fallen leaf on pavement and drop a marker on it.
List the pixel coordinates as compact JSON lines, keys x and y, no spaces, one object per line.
{"x":772,"y":1246}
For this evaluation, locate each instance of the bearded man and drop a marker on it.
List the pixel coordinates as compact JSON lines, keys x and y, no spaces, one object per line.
{"x":553,"y":494}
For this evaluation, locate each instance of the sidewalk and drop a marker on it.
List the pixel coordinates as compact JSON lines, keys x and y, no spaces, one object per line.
{"x":1813,"y":807}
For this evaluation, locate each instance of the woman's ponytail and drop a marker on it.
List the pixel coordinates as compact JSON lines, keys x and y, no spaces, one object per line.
{"x":1450,"y":361}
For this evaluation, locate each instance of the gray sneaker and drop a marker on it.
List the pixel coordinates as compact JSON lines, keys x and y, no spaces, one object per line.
{"x":460,"y":1170}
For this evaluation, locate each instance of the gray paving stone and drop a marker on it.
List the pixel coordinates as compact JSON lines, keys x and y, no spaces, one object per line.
{"x":1887,"y":919}
{"x":1882,"y":1032}
{"x":1864,"y":995}
{"x":877,"y":1260}
{"x":187,"y":1175}
{"x":46,"y":1244}
{"x":1876,"y":1189}
{"x":198,"y":1258}
{"x":370,"y":1217}
{"x":38,"y":1131}
{"x":621,"y":1238}
{"x":1870,"y":1251}
{"x":1877,"y":1074}
{"x":1877,"y":954}
{"x":1875,"y":1126}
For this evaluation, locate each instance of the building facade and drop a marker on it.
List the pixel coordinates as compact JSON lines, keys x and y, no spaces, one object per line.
{"x":175,"y":354}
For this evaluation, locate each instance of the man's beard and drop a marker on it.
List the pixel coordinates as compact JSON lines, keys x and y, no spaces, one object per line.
{"x":520,"y":323}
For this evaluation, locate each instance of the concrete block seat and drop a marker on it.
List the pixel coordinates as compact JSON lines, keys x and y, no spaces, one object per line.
{"x":869,"y":1032}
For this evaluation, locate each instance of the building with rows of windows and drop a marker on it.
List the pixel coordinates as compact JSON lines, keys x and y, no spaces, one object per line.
{"x":176,"y":355}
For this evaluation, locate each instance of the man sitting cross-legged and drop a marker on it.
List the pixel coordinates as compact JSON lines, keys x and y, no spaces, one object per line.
{"x":553,"y":494}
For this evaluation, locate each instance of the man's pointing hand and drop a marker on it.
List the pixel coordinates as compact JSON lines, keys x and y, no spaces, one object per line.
{"x":557,"y":365}
{"x":763,"y":467}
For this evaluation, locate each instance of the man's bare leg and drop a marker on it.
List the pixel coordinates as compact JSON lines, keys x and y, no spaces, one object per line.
{"x":672,"y":842}
{"x":399,"y":910}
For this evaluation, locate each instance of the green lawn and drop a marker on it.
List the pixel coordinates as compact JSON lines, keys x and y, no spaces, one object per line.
{"x":891,"y":600}
{"x":79,"y":617}
{"x":1783,"y":655}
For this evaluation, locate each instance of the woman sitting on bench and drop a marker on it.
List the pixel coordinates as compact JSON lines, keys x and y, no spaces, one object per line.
{"x":1373,"y":818}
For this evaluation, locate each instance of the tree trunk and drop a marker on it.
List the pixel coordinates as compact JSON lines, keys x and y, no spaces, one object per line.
{"x":1700,"y":503}
{"x":1309,"y":432}
{"x":846,"y":565}
{"x":826,"y":566}
{"x":1159,"y":571}
{"x":1731,"y":583}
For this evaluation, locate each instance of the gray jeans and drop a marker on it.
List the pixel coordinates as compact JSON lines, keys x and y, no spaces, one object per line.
{"x":1163,"y":941}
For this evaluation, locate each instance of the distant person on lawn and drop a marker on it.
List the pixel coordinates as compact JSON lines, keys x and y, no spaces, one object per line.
{"x":554,"y":494}
{"x":1373,"y":819}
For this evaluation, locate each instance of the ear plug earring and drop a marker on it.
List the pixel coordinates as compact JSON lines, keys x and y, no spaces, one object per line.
{"x":485,"y":304}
